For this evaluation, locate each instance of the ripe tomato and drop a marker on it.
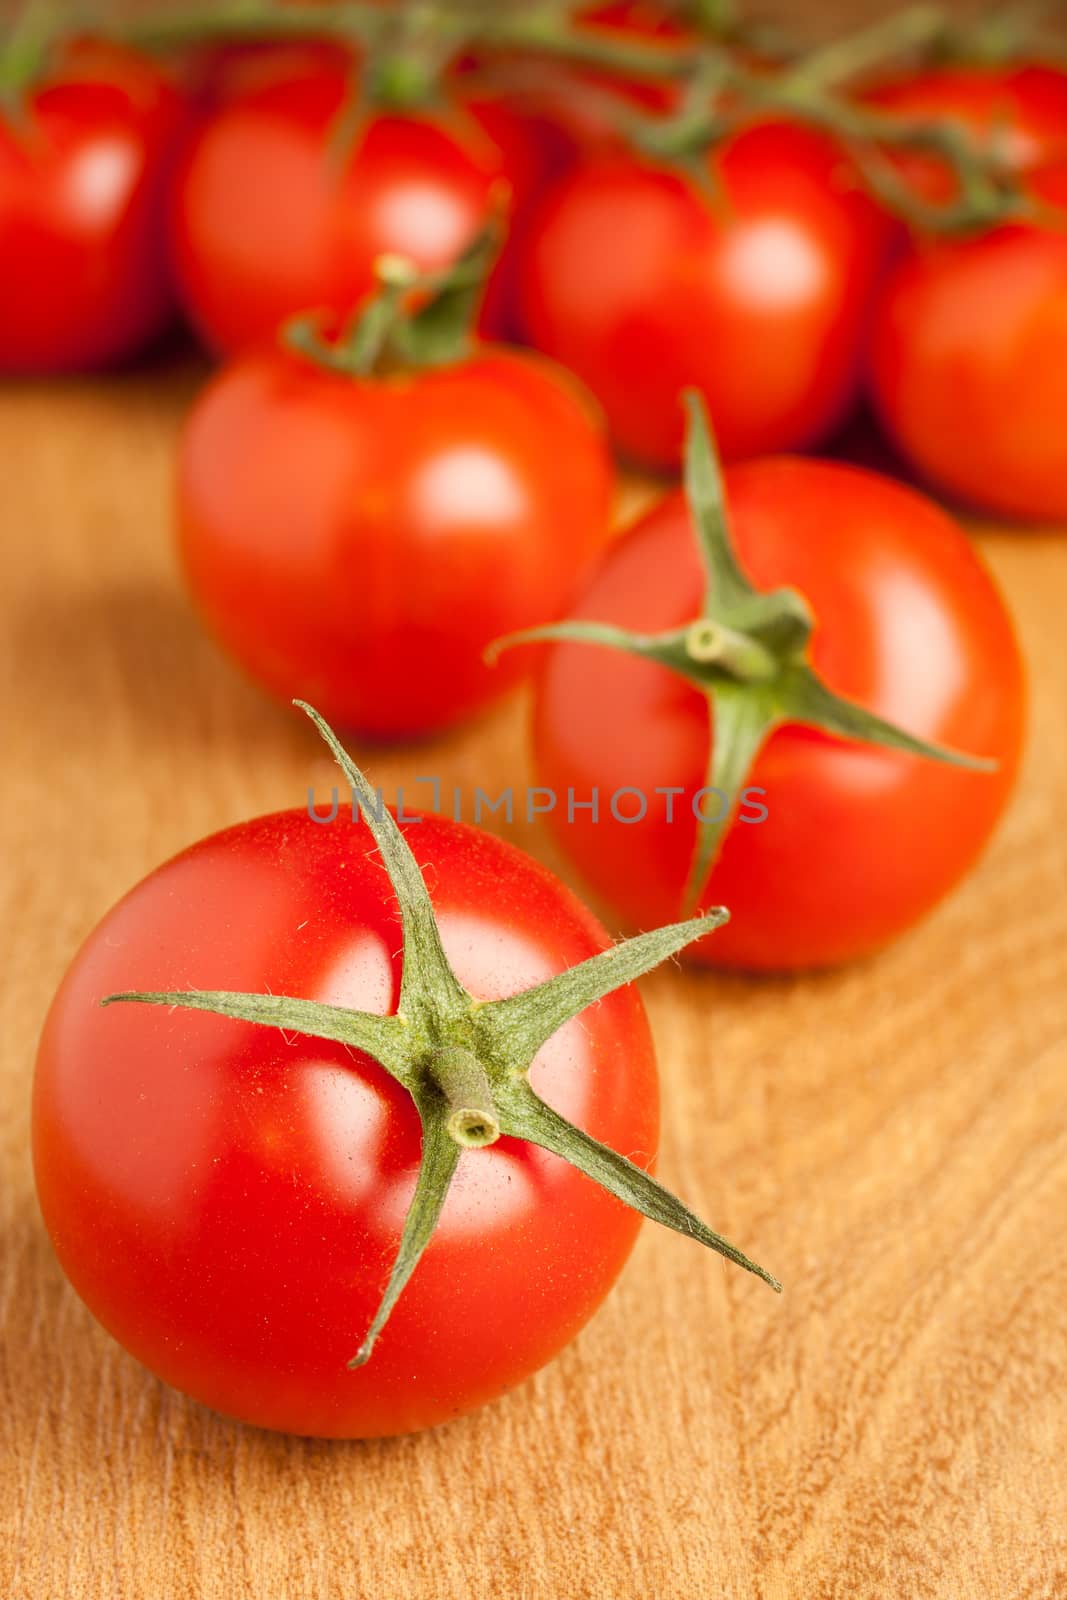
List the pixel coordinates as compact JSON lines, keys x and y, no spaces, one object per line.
{"x":1017,"y":114}
{"x":220,"y":73}
{"x":360,"y":541}
{"x":227,"y":1198}
{"x":969,"y":363}
{"x":643,"y":286}
{"x":269,"y":220}
{"x":858,"y":842}
{"x":84,"y":172}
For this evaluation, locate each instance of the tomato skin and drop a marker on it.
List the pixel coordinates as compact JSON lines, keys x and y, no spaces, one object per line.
{"x":228,"y":1201}
{"x":84,"y":178}
{"x":359,"y":543}
{"x":969,"y":368}
{"x":1018,"y":113}
{"x":631,"y":280}
{"x":859,"y":842}
{"x":267,"y":224}
{"x":220,"y":73}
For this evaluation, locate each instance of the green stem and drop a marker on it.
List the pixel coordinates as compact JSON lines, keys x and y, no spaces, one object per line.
{"x":850,"y":58}
{"x":544,"y":31}
{"x":25,"y":54}
{"x":253,"y":21}
{"x":360,"y":350}
{"x":460,"y":1076}
{"x":387,"y":333}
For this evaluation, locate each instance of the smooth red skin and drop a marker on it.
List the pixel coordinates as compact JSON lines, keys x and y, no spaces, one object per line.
{"x":227,"y":1200}
{"x":84,"y":277}
{"x":859,"y":843}
{"x":222,"y":73}
{"x":360,"y":543}
{"x":268,"y":222}
{"x":535,"y":150}
{"x":544,"y":116}
{"x":969,"y":364}
{"x":1019,"y":112}
{"x":633,"y":281}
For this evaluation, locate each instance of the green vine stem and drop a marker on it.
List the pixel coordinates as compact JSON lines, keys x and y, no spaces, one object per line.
{"x":25,"y":52}
{"x":466,"y":1062}
{"x":405,"y":53}
{"x":747,"y":653}
{"x":411,"y":320}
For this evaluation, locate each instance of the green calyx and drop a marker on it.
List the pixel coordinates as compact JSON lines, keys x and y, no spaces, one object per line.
{"x":412,"y":319}
{"x":466,"y":1062}
{"x":747,"y":653}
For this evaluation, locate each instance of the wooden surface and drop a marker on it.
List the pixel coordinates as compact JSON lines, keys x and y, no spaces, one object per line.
{"x":892,"y":1139}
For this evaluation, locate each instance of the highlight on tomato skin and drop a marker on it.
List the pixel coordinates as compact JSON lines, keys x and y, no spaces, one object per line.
{"x":85,"y":170}
{"x":858,"y":842}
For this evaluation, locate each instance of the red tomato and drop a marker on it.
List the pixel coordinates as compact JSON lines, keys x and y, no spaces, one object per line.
{"x":221,"y":73}
{"x":543,"y":113}
{"x":644,"y":287}
{"x":84,"y":173}
{"x":535,"y":150}
{"x":969,"y":364}
{"x":270,"y":221}
{"x":858,"y":842}
{"x":1018,"y":114}
{"x":360,"y":542}
{"x":228,"y":1199}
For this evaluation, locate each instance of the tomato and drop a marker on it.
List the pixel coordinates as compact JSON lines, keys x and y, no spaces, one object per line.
{"x":969,"y":363}
{"x":225,"y":72}
{"x":269,"y":220}
{"x":644,"y":286}
{"x":1017,"y":114}
{"x":857,"y":842}
{"x":84,"y":174}
{"x":226,"y":1198}
{"x":360,"y":541}
{"x":535,"y":150}
{"x":546,"y":113}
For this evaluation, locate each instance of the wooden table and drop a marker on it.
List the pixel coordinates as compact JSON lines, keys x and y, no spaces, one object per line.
{"x":891,"y":1138}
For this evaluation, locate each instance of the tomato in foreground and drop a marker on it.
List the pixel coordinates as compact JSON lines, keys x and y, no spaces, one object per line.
{"x":359,"y":537}
{"x":643,"y":286}
{"x":890,"y":607}
{"x":969,"y":363}
{"x":273,"y":217}
{"x":85,"y":167}
{"x":227,"y":1191}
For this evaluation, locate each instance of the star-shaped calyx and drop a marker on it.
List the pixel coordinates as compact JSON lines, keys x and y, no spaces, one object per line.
{"x":466,"y":1062}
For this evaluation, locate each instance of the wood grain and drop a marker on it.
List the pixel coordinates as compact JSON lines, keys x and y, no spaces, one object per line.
{"x":892,"y":1139}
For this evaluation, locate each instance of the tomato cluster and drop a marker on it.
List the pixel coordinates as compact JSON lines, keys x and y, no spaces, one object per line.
{"x":443,"y":287}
